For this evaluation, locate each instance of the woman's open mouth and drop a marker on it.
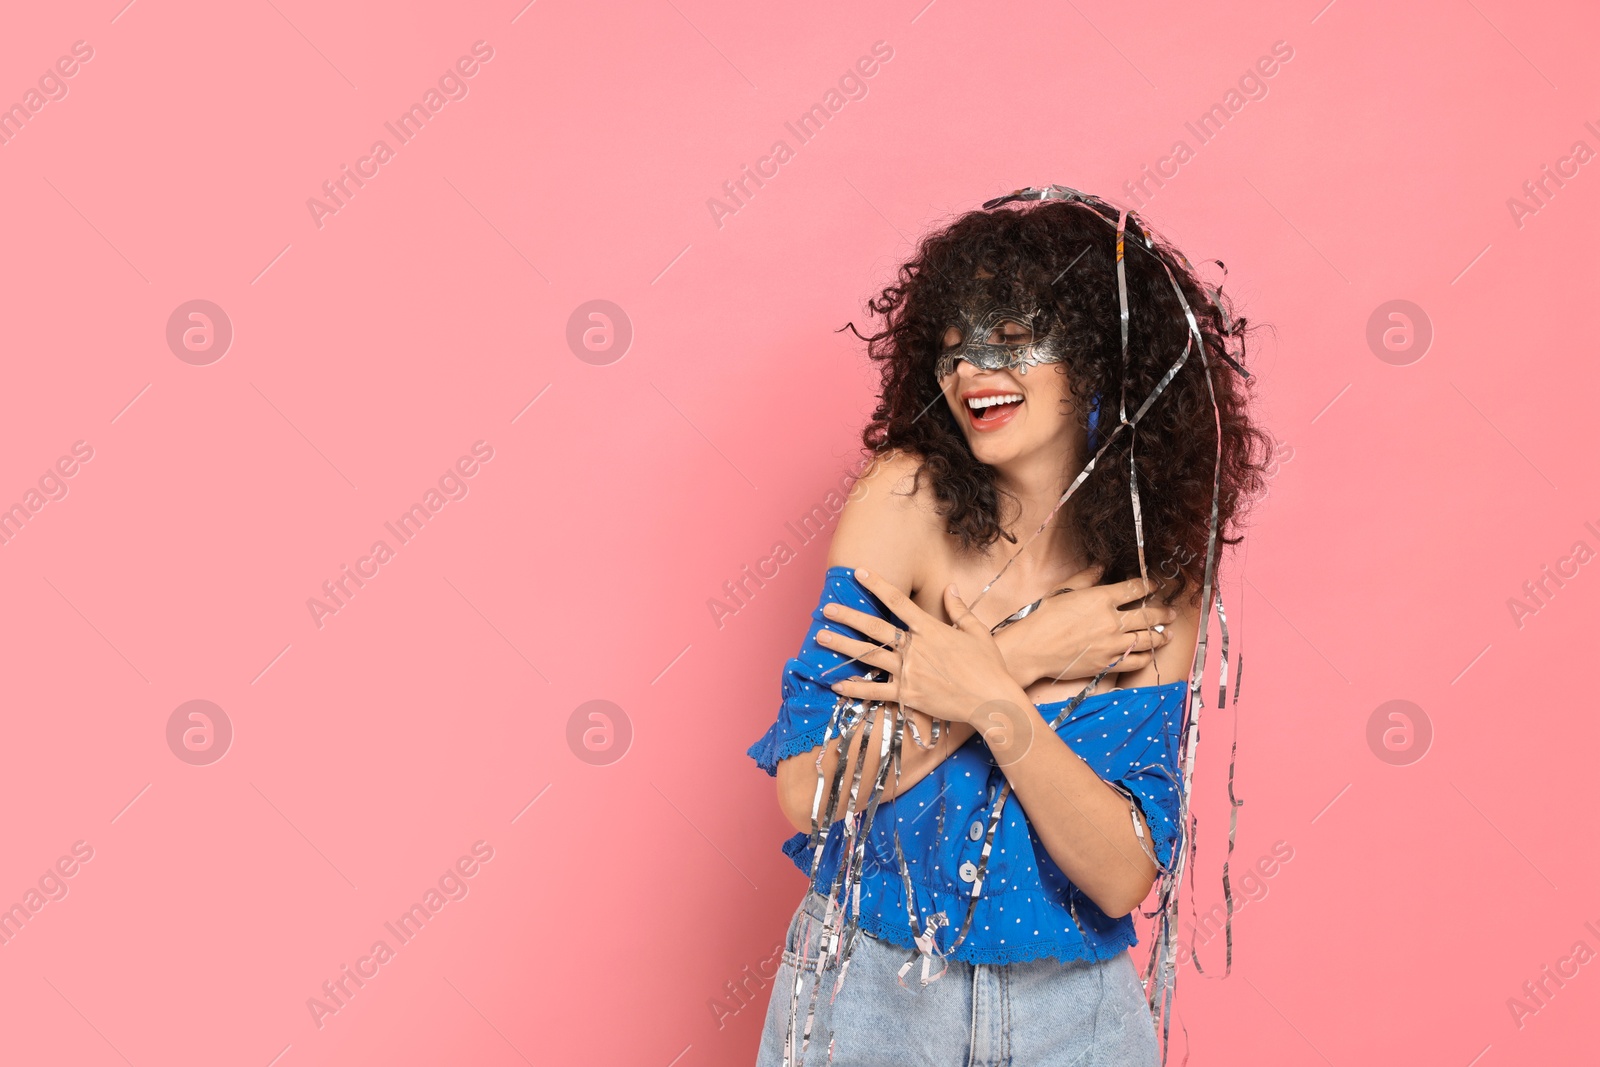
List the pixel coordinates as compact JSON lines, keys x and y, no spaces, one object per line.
{"x":990,"y":411}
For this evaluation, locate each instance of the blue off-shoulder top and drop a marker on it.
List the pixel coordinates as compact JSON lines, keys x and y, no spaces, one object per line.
{"x":1128,"y":736}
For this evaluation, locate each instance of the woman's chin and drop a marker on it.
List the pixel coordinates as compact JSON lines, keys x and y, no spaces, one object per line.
{"x":992,"y":445}
{"x":1006,"y":449}
{"x":992,"y":451}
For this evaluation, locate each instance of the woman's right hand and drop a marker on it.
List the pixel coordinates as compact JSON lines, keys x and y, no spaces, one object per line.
{"x":1075,"y":635}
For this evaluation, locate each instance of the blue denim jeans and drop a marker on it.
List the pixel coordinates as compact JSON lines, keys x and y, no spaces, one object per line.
{"x":1042,"y":1013}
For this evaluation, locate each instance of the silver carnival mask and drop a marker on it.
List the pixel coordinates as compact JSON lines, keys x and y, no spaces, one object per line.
{"x":984,"y":346}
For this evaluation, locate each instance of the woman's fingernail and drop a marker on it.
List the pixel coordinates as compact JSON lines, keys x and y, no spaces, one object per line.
{"x":861,"y":573}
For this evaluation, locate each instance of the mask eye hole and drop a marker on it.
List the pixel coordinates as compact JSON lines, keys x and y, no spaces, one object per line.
{"x":952,"y":336}
{"x":1010,"y":332}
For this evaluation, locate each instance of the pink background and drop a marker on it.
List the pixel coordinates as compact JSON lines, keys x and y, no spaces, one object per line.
{"x":425,"y":315}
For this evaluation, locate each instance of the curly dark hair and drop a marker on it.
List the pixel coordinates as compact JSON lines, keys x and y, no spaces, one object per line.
{"x":1056,"y":256}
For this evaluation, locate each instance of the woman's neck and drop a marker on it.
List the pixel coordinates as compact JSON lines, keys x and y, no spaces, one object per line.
{"x":1034,"y":486}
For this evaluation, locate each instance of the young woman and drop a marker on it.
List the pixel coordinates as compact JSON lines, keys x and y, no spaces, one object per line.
{"x":979,"y":741}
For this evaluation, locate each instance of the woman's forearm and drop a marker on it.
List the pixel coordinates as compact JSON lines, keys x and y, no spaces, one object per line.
{"x":797,"y":775}
{"x":1082,"y":822}
{"x":1018,"y":662}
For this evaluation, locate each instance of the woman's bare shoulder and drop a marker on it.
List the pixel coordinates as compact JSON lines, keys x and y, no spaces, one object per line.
{"x":1174,"y":660}
{"x":890,"y":523}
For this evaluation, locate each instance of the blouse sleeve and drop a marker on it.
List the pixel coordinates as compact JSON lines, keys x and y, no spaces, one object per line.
{"x":808,"y":702}
{"x":1149,"y":771}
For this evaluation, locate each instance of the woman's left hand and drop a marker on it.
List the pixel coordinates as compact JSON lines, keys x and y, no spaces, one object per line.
{"x":949,"y":672}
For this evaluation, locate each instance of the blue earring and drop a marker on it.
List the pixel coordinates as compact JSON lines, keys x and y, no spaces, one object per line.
{"x":1094,"y":423}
